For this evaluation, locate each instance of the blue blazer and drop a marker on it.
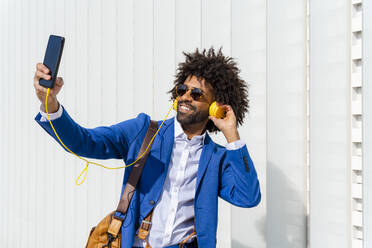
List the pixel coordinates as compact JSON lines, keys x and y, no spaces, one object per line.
{"x":229,"y":174}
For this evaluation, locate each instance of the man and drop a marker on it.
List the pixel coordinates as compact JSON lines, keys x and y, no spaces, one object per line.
{"x":185,"y":171}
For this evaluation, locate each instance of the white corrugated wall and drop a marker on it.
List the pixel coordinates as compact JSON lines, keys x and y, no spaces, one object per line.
{"x":286,"y":124}
{"x":330,"y":124}
{"x":120,"y":59}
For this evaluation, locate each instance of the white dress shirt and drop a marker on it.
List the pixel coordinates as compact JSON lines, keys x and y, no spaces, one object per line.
{"x":173,"y":215}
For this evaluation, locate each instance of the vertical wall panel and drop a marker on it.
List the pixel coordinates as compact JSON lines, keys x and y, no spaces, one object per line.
{"x":216,"y":25}
{"x":23,"y":98}
{"x":367,"y":123}
{"x":164,"y":53}
{"x":356,"y":125}
{"x":249,"y":47}
{"x":188,"y":28}
{"x":17,"y":103}
{"x":329,"y":124}
{"x":3,"y":125}
{"x":80,"y":81}
{"x":30,"y":180}
{"x":143,"y":59}
{"x":10,"y":62}
{"x":125,"y":57}
{"x":287,"y":124}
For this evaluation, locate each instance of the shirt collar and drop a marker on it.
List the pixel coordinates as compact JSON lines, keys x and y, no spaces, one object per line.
{"x":179,"y":134}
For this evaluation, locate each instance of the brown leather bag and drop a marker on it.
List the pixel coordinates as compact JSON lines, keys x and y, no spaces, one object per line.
{"x":107,"y":232}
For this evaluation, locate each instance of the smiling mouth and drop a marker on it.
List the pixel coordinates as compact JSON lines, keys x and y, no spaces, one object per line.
{"x":184,"y":108}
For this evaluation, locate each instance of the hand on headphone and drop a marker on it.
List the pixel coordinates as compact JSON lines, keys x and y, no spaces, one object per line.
{"x":227,"y":125}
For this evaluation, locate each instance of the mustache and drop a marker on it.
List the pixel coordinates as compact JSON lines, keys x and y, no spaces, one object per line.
{"x":188,"y":105}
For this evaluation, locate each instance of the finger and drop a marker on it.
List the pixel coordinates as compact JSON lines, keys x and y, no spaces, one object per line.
{"x":42,"y":67}
{"x":39,"y":66}
{"x":211,"y":118}
{"x":59,"y":81}
{"x":229,"y":109}
{"x":225,"y":106}
{"x":40,"y":74}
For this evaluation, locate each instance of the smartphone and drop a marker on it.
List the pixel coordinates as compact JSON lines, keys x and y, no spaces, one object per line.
{"x":52,"y":59}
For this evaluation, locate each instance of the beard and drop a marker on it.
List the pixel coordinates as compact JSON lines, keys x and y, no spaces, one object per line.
{"x":193,"y":117}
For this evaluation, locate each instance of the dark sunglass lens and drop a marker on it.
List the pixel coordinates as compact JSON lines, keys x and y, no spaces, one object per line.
{"x":196,"y":94}
{"x":181,"y":90}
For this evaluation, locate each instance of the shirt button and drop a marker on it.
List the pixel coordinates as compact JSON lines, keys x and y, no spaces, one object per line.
{"x":152,"y":202}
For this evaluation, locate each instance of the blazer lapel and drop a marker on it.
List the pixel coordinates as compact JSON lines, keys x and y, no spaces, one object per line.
{"x":167,"y":136}
{"x":205,"y":157}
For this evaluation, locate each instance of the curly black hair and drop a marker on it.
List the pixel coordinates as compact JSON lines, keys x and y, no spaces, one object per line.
{"x":222,"y":73}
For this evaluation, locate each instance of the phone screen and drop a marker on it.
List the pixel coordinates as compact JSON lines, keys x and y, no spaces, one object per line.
{"x":52,"y":59}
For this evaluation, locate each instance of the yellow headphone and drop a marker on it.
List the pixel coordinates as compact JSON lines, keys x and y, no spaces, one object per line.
{"x":214,"y":110}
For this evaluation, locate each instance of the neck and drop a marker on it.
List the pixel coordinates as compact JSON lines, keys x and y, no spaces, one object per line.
{"x":194,"y":129}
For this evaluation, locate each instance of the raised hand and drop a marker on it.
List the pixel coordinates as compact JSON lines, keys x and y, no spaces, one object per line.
{"x":227,"y":125}
{"x":43,"y":72}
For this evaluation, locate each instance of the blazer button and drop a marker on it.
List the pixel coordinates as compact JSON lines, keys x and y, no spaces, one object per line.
{"x":152,"y":202}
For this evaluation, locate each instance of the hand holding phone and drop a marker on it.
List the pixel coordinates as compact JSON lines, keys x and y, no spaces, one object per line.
{"x":41,"y":91}
{"x":52,"y":59}
{"x":43,"y":78}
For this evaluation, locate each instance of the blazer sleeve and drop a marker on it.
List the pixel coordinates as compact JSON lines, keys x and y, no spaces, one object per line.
{"x":238,"y":182}
{"x":104,"y":142}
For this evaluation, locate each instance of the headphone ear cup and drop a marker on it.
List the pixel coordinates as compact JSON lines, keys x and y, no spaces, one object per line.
{"x":216,"y":111}
{"x":175,"y":102}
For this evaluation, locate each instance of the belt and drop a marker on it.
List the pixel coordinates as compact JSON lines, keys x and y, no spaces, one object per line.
{"x":192,"y":244}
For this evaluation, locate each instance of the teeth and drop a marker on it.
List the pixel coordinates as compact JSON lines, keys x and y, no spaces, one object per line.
{"x":184,"y":107}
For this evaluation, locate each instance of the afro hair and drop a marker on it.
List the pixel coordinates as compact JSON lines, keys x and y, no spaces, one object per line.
{"x":220,"y":72}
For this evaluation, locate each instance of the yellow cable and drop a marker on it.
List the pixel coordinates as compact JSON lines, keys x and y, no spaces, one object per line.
{"x":85,"y":170}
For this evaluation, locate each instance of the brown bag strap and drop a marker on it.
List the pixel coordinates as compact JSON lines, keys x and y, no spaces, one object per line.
{"x":136,"y":172}
{"x":133,"y":179}
{"x":144,"y":229}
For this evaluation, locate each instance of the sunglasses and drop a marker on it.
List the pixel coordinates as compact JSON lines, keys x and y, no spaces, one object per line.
{"x":196,"y":93}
